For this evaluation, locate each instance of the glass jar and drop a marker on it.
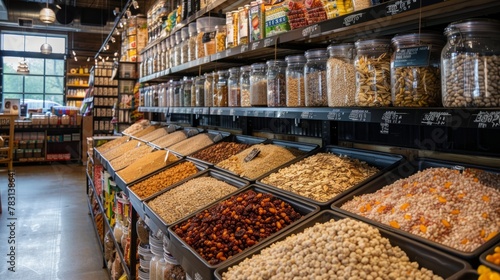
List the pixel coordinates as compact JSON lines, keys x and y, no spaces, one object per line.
{"x":221,"y":90}
{"x":315,"y":78}
{"x":177,"y":48}
{"x":200,"y":49}
{"x":150,"y":61}
{"x":162,"y":56}
{"x":162,"y":95}
{"x":156,"y":60}
{"x":373,"y":81}
{"x":160,"y":268}
{"x":184,"y":45}
{"x":199,"y":88}
{"x":209,"y":82}
{"x":209,"y":40}
{"x":258,"y":85}
{"x":415,"y":70}
{"x":245,"y":85}
{"x":175,"y":88}
{"x":171,"y":45}
{"x":243,"y":17}
{"x":233,"y":86}
{"x":220,"y":38}
{"x":186,"y":91}
{"x":141,"y":66}
{"x":276,"y":83}
{"x":295,"y":90}
{"x":230,"y":39}
{"x":470,"y":64}
{"x":193,"y":94}
{"x":153,"y":265}
{"x":154,"y":95}
{"x":192,"y":41}
{"x":341,"y":76}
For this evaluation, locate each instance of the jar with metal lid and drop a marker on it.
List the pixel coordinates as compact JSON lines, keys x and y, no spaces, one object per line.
{"x":295,"y":90}
{"x":186,"y":91}
{"x":220,"y":38}
{"x":245,"y":85}
{"x":470,"y":64}
{"x":276,"y":83}
{"x":415,"y":70}
{"x":373,"y":80}
{"x":192,"y":41}
{"x":199,"y":88}
{"x":209,"y":93}
{"x":176,"y":87}
{"x":184,"y":45}
{"x":258,"y":85}
{"x":341,"y":76}
{"x":315,"y":78}
{"x":221,"y":90}
{"x":233,"y":87}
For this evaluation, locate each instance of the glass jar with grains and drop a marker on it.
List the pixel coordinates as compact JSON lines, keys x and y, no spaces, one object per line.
{"x":184,"y":45}
{"x":221,"y":92}
{"x":209,"y":93}
{"x":186,"y":91}
{"x":245,"y":85}
{"x":341,"y":76}
{"x":177,"y":48}
{"x":415,"y":73}
{"x":199,"y":88}
{"x":220,"y":38}
{"x":373,"y":63}
{"x":192,"y":41}
{"x":470,"y":64}
{"x":295,"y":90}
{"x":276,"y":83}
{"x":233,"y":85}
{"x":175,"y":88}
{"x":258,"y":85}
{"x":315,"y":78}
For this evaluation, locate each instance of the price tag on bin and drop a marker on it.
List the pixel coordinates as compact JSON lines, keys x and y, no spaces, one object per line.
{"x":252,"y":155}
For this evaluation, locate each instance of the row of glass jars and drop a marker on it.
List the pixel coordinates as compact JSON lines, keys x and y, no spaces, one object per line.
{"x":411,"y":70}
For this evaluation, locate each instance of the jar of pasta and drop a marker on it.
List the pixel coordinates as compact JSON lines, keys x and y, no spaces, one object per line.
{"x":373,"y":63}
{"x":295,"y":90}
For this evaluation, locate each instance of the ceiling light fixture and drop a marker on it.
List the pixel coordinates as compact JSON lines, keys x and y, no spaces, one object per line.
{"x":135,"y":4}
{"x":22,"y":67}
{"x":46,"y":48}
{"x":47,"y":15}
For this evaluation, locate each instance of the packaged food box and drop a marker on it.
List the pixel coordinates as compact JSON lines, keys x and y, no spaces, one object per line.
{"x":276,"y":18}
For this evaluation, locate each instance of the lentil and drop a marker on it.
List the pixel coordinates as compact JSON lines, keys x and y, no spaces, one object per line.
{"x":321,"y":176}
{"x":145,"y":165}
{"x":185,"y":199}
{"x":231,"y":226}
{"x":164,"y":179}
{"x":439,"y":204}
{"x":344,"y":249}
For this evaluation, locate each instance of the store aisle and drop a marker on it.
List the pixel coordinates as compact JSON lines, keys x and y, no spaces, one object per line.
{"x":53,"y":233}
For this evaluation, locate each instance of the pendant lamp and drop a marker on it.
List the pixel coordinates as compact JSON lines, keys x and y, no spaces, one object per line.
{"x":47,"y":15}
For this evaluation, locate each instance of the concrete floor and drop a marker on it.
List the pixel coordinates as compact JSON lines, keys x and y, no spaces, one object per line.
{"x":53,"y":232}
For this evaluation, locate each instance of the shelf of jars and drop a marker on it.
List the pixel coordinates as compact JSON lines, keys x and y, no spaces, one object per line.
{"x":486,"y":118}
{"x":384,"y":19}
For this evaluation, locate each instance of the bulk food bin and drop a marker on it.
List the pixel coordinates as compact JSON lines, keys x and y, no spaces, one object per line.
{"x":384,"y":162}
{"x":438,"y":195}
{"x":236,"y":182}
{"x":199,"y":268}
{"x":440,"y":263}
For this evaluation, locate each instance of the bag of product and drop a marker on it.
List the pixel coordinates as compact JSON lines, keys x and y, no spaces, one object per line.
{"x":276,"y":18}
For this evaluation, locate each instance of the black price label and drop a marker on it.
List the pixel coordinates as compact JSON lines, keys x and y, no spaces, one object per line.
{"x":414,"y":56}
{"x":208,"y":36}
{"x":255,"y":152}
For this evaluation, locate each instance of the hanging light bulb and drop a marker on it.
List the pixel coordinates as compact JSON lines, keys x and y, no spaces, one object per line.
{"x":135,"y":4}
{"x":113,"y":39}
{"x":88,"y":58}
{"x":46,"y":48}
{"x":76,"y":59}
{"x":47,"y":15}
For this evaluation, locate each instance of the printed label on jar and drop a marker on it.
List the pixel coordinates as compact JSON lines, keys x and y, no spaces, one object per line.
{"x":413,"y":56}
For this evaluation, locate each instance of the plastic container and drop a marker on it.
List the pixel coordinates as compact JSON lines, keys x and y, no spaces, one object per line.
{"x":177,"y":48}
{"x":233,"y":85}
{"x":276,"y":83}
{"x":199,"y":88}
{"x":220,"y":38}
{"x":440,"y":263}
{"x":295,"y":90}
{"x":373,"y":81}
{"x":258,"y":85}
{"x":383,"y":161}
{"x":415,"y":70}
{"x":341,"y":76}
{"x":194,"y":264}
{"x":209,"y":40}
{"x":221,"y":89}
{"x":184,"y":45}
{"x":245,"y":85}
{"x":315,"y":78}
{"x":187,"y":91}
{"x":206,"y":34}
{"x":209,"y":89}
{"x":175,"y":93}
{"x":172,"y":51}
{"x":163,"y":55}
{"x":403,"y":171}
{"x":470,"y":64}
{"x":192,"y":41}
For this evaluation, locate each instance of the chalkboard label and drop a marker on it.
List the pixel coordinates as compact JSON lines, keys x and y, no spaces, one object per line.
{"x":414,"y":56}
{"x":487,"y":119}
{"x":435,"y":118}
{"x":360,"y":115}
{"x":335,"y":115}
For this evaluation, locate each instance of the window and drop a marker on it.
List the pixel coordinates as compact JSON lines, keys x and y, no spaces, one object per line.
{"x":43,"y":87}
